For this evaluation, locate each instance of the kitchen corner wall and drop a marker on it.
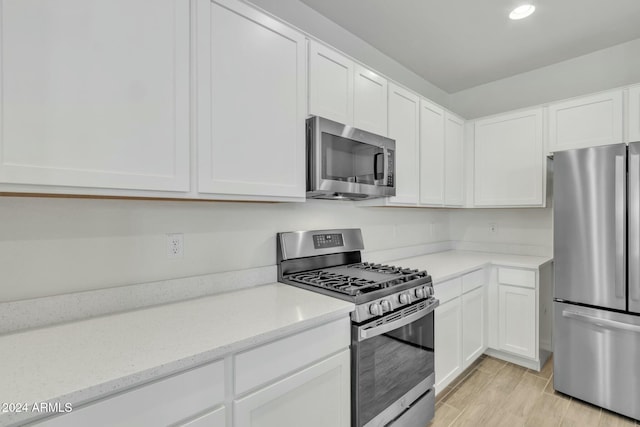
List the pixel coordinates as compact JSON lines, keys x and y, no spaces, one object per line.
{"x":51,"y":246}
{"x":604,"y":69}
{"x":519,"y":231}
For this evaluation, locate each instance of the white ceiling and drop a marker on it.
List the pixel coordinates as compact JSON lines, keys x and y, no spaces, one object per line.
{"x":458,"y":44}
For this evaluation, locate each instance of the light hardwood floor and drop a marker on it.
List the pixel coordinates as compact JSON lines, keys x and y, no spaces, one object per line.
{"x":494,"y":393}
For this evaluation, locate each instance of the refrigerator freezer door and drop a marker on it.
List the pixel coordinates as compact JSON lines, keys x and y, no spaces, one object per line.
{"x":595,"y":357}
{"x":634,"y":227}
{"x":589,"y":216}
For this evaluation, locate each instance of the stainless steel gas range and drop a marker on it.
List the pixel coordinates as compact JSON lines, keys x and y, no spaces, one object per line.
{"x":392,"y":341}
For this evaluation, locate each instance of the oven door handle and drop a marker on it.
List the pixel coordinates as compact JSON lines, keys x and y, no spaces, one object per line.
{"x":365,"y":334}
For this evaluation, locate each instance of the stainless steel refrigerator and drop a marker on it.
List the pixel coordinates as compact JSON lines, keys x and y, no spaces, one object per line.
{"x":596,"y":210}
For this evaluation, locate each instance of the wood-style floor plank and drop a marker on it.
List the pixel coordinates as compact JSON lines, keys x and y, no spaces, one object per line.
{"x":580,"y":414}
{"x":494,"y":393}
{"x":445,"y":415}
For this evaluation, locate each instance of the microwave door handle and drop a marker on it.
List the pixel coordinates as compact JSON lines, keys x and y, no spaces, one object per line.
{"x":385,"y":175}
{"x":375,"y":166}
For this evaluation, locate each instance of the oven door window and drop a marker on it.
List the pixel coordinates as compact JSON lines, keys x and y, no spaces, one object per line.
{"x":390,"y":365}
{"x":351,"y":161}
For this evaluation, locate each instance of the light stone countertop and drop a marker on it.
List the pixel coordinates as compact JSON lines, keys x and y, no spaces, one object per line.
{"x":85,"y":360}
{"x":445,"y":265}
{"x":81,"y":361}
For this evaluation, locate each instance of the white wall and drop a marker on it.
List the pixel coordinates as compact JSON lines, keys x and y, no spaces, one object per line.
{"x":526,"y":231}
{"x":51,"y":246}
{"x":601,"y":70}
{"x":312,"y":22}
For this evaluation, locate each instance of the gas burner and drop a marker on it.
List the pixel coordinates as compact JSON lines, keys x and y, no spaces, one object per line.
{"x":381,"y":268}
{"x":337,"y":282}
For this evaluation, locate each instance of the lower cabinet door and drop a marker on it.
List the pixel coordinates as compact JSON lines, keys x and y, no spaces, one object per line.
{"x":517,"y":320}
{"x":317,"y":396}
{"x":448,"y":342}
{"x":473,"y":325}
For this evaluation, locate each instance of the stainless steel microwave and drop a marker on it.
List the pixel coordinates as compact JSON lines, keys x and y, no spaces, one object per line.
{"x":347,"y":163}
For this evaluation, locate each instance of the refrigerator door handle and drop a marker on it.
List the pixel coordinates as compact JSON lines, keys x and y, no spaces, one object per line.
{"x":598,"y":321}
{"x":620,"y":225}
{"x":634,"y":227}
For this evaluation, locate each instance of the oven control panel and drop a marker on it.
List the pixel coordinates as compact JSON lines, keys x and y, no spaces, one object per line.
{"x":324,"y":241}
{"x":382,"y":306}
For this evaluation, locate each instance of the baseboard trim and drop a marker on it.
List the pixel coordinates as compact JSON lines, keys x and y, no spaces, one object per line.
{"x":525,"y":362}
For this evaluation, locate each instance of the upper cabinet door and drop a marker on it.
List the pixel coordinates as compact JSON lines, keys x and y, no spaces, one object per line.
{"x":633,"y":120}
{"x":330,"y":84}
{"x":95,"y":93}
{"x":370,"y":101}
{"x":454,"y":160}
{"x":509,"y":160}
{"x":404,"y":110}
{"x":251,"y":103}
{"x":431,"y":154}
{"x":586,"y":122}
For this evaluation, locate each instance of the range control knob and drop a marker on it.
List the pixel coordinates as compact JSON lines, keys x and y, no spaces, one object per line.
{"x":375,"y":309}
{"x":404,"y":298}
{"x":386,"y":305}
{"x":420,"y":293}
{"x":429,"y":290}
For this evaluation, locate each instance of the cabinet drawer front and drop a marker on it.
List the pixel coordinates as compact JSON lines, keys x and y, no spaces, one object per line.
{"x":211,"y":419}
{"x":512,"y":276}
{"x":163,"y":402}
{"x":472,"y":280}
{"x":446,"y":291}
{"x":271,"y":361}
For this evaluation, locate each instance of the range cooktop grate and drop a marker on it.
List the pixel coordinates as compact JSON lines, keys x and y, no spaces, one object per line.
{"x":365,"y":277}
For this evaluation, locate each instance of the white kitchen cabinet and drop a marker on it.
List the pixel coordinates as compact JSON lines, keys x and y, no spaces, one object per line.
{"x":519,"y":315}
{"x":95,"y":95}
{"x":370,"y":101}
{"x":633,"y":118}
{"x":317,"y":396}
{"x":431,"y":154}
{"x":300,"y":379}
{"x":453,"y":160}
{"x":404,"y":126}
{"x":448,"y":332}
{"x":251,"y":103}
{"x":346,"y":92}
{"x":517,"y":320}
{"x":509,"y":160}
{"x":331,"y":78}
{"x":448,"y":342}
{"x":587,"y":121}
{"x":460,"y":325}
{"x":165,"y":402}
{"x":474,"y":340}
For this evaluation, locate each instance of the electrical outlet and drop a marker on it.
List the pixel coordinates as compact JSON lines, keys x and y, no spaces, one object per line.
{"x":175,"y":245}
{"x":493,"y":228}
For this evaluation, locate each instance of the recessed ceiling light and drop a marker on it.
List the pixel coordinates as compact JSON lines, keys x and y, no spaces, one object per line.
{"x":522,"y":11}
